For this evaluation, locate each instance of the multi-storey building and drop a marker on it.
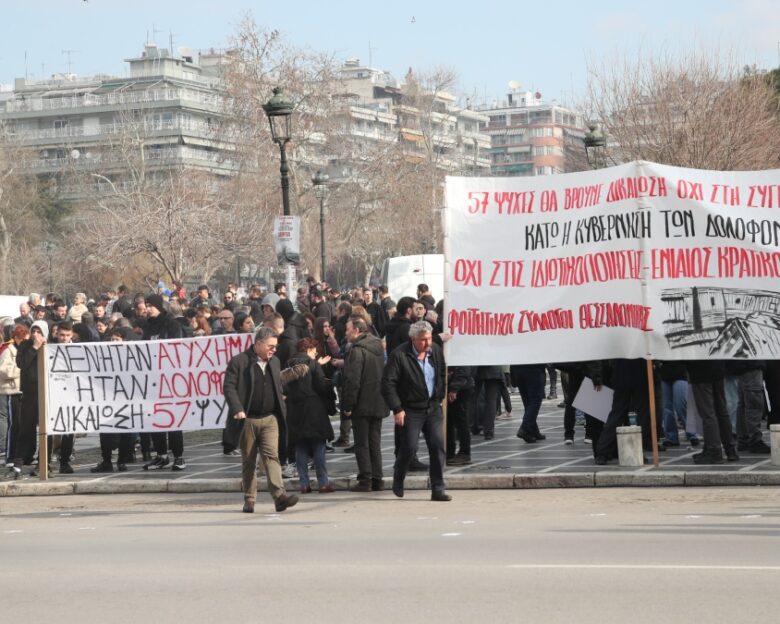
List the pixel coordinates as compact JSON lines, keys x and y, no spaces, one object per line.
{"x":427,"y":127}
{"x":168,"y":108}
{"x":530,"y":137}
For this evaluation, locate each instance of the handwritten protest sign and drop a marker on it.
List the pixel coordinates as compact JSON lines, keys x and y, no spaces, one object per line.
{"x":162,"y":385}
{"x":639,"y":260}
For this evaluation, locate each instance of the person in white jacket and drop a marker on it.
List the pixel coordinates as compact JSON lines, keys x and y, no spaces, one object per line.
{"x":10,"y":394}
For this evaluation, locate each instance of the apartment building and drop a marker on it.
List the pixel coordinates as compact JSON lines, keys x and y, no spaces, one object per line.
{"x":529,"y":137}
{"x":165,"y":113}
{"x":427,"y":126}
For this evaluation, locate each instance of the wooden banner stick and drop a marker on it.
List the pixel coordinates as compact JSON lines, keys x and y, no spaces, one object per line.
{"x":43,"y":394}
{"x":653,"y":425}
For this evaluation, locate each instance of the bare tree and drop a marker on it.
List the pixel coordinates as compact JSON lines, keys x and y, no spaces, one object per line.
{"x":695,"y":110}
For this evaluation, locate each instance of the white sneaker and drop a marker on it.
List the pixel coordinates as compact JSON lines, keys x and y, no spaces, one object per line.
{"x":588,"y":441}
{"x":504,"y":416}
{"x":289,"y":471}
{"x":568,"y":441}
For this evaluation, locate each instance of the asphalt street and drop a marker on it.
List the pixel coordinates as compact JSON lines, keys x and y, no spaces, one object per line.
{"x":586,"y":556}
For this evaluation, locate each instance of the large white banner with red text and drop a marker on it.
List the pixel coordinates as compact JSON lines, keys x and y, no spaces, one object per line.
{"x":639,"y":260}
{"x":163,"y":385}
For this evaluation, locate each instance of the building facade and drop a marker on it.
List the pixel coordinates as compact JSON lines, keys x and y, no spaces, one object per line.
{"x":530,"y":137}
{"x":165,"y":114}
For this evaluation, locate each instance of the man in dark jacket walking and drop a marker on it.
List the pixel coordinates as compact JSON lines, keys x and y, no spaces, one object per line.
{"x":361,"y":400}
{"x":253,"y":391}
{"x":413,"y":386}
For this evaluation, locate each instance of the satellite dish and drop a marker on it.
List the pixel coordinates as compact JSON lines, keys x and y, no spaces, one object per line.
{"x":514,"y":84}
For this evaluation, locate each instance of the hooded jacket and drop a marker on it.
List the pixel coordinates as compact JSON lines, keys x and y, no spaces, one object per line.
{"x":361,"y":391}
{"x":309,"y":399}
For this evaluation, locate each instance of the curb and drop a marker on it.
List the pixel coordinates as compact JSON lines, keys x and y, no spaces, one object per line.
{"x":454,"y":482}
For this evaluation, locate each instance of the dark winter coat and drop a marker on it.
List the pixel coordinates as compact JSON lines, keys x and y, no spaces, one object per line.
{"x":308,"y":402}
{"x":705,"y":371}
{"x":162,"y":327}
{"x":27,"y":361}
{"x":397,"y":333}
{"x":238,"y":387}
{"x":403,"y":383}
{"x":361,"y":390}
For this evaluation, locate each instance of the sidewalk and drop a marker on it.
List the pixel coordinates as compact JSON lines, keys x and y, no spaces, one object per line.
{"x":505,"y":462}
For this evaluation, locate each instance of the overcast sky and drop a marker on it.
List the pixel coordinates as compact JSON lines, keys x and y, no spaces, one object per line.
{"x":544,"y":46}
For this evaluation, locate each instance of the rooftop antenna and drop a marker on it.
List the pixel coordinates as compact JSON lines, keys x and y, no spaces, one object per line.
{"x":371,"y":55}
{"x":25,"y":64}
{"x":154,"y":33}
{"x":69,"y":54}
{"x":170,"y":40}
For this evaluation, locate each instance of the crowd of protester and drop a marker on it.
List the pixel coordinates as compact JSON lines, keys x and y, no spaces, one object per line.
{"x":344,"y":340}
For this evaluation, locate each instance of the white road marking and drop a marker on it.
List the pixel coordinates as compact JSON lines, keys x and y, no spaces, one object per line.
{"x":620,"y":566}
{"x":450,"y":534}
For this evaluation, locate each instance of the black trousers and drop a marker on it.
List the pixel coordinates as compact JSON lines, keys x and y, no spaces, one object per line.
{"x":161,"y":441}
{"x":458,"y":430}
{"x":622,"y":402}
{"x":14,"y":424}
{"x":772,"y":383}
{"x":485,"y":415}
{"x":26,"y":440}
{"x":121,"y":441}
{"x":367,"y":433}
{"x":431,"y":423}
{"x":710,"y":398}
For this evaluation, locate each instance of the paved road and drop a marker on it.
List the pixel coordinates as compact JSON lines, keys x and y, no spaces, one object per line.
{"x":627,"y":555}
{"x":506,"y":454}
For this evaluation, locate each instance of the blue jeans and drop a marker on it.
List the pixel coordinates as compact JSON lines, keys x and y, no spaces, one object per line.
{"x":731,"y":386}
{"x":675,"y":401}
{"x":311,"y":448}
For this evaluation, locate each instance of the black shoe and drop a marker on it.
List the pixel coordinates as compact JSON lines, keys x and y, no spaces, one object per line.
{"x":562,"y":404}
{"x":249,"y":507}
{"x":760,"y":448}
{"x":360,"y":488}
{"x":161,"y":461}
{"x":552,"y":396}
{"x":442,"y":497}
{"x":731,"y":453}
{"x":600,"y":460}
{"x":178,"y":464}
{"x":540,"y":436}
{"x":285,"y":502}
{"x":529,"y":437}
{"x":459,"y":460}
{"x":489,"y":436}
{"x":121,"y":467}
{"x":417,"y":466}
{"x":694,"y":442}
{"x":66,"y":468}
{"x":377,"y":485}
{"x":708,"y":457}
{"x":398,"y":488}
{"x":104,"y":467}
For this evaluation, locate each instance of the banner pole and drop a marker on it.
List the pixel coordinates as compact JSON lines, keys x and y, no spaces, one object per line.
{"x":43,"y":394}
{"x":653,"y":425}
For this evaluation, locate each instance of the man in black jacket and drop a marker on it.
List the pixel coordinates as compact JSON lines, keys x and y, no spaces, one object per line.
{"x":413,"y":386}
{"x":253,"y":391}
{"x":362,"y":401}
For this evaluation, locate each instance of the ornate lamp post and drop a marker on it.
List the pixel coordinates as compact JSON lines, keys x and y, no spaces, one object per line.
{"x":279,"y":110}
{"x":320,"y":182}
{"x":595,"y":144}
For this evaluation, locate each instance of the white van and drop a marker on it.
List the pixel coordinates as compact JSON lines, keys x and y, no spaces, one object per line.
{"x":403,"y":273}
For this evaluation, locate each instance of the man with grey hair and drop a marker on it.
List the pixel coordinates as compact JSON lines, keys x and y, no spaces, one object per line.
{"x":253,"y":391}
{"x":413,"y":386}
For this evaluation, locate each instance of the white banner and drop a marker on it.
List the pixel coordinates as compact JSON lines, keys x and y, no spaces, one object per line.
{"x":162,"y":385}
{"x":639,"y":260}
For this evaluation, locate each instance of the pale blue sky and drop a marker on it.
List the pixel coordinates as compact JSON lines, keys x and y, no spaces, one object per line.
{"x":543,"y":45}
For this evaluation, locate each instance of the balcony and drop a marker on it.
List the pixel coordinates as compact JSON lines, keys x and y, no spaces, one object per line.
{"x":116,"y":99}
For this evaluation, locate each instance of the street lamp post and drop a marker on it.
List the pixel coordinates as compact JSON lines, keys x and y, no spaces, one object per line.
{"x":279,"y":111}
{"x":595,"y":143}
{"x":320,"y":182}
